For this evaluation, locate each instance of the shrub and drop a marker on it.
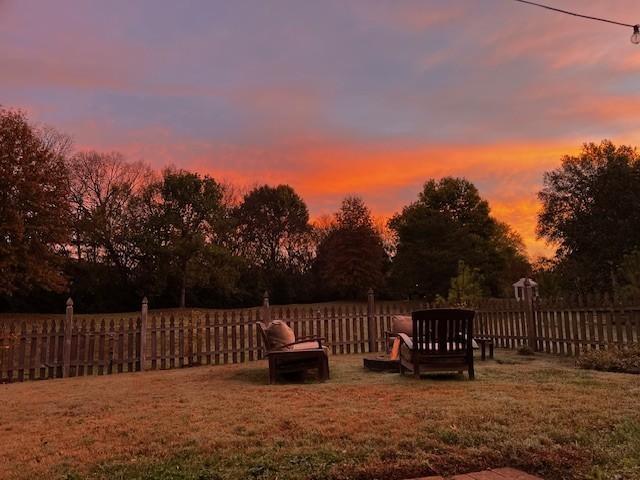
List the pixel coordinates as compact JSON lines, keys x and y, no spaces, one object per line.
{"x":526,"y":350}
{"x":615,"y":359}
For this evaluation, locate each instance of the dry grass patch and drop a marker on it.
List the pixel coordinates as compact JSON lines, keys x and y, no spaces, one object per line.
{"x":540,"y":414}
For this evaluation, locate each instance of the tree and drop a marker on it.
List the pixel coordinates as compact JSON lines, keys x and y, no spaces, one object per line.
{"x":508,"y":260}
{"x":274,"y":234}
{"x":629,"y":275}
{"x":351,"y":257}
{"x":34,"y":210}
{"x":548,"y":275}
{"x":591,"y":211}
{"x":183,"y":214}
{"x":451,"y":222}
{"x":466,"y":286}
{"x":104,"y":192}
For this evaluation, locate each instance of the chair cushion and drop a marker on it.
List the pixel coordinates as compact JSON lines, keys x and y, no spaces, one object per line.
{"x":402,"y":324}
{"x":395,"y":349}
{"x":280,"y":334}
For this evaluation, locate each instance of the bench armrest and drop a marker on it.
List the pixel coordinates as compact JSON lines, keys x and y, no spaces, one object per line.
{"x":309,"y":338}
{"x":304,"y":340}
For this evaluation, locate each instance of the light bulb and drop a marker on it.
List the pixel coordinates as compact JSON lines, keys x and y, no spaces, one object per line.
{"x":635,"y":38}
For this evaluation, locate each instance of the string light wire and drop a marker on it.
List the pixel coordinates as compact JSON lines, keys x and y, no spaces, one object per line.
{"x":635,"y":38}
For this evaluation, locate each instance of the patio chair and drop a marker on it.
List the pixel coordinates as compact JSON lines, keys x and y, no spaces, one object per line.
{"x":297,"y":356}
{"x":442,"y":341}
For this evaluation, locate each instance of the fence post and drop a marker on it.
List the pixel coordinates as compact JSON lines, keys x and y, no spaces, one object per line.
{"x":143,"y":332}
{"x":371,"y":322}
{"x":529,"y":315}
{"x":266,"y":309}
{"x":66,"y":346}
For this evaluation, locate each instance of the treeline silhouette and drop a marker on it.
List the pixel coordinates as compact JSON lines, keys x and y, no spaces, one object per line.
{"x":107,"y":231}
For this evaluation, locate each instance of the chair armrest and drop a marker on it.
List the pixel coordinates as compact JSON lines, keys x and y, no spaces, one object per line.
{"x":304,"y":340}
{"x":406,"y":339}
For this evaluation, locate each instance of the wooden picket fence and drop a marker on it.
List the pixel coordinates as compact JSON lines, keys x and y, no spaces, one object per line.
{"x":566,"y":326}
{"x":56,"y":346}
{"x":60,"y":346}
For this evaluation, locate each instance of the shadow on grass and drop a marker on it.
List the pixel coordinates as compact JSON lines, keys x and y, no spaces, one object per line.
{"x":253,"y":375}
{"x":260,"y":376}
{"x":439,"y":377}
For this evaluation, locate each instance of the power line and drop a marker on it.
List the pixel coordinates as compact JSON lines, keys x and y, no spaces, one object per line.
{"x":576,"y":14}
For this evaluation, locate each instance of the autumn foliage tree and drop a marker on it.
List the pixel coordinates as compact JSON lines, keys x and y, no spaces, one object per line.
{"x":104,"y":193}
{"x":34,"y":207}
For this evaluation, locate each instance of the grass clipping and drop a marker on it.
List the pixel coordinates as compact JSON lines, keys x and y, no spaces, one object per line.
{"x":615,"y":359}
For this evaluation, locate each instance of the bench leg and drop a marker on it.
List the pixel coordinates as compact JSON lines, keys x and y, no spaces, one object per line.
{"x":323,"y":367}
{"x":491,"y":350}
{"x":272,"y":371}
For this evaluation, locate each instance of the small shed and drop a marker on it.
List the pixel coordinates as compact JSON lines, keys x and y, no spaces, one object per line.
{"x":520,"y":285}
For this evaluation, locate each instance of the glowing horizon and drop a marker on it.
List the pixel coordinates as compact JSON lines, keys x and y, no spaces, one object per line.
{"x":333,"y":98}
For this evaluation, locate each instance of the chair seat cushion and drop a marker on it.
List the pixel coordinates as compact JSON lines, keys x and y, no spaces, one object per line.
{"x":280,"y":334}
{"x":402,"y":324}
{"x":310,"y":346}
{"x":306,"y":345}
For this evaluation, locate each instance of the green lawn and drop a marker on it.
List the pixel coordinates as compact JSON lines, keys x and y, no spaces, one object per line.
{"x":539,"y":414}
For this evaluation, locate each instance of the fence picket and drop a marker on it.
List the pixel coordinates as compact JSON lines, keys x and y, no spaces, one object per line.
{"x":163,"y":343}
{"x":234,"y":337}
{"x":250,"y":335}
{"x":154,"y":343}
{"x":130,"y":345}
{"x":32,"y":356}
{"x":101,"y":348}
{"x":199,"y":341}
{"x":181,"y":342}
{"x":172,"y":342}
{"x":207,"y":337}
{"x":242,"y":339}
{"x":120,"y":360}
{"x":216,"y":323}
{"x":91,"y":360}
{"x":44,"y":350}
{"x":141,"y":354}
{"x":225,"y":337}
{"x":22,"y":350}
{"x":81,"y":361}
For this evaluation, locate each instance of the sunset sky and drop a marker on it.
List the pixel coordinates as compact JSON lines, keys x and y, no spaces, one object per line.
{"x":334,"y":97}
